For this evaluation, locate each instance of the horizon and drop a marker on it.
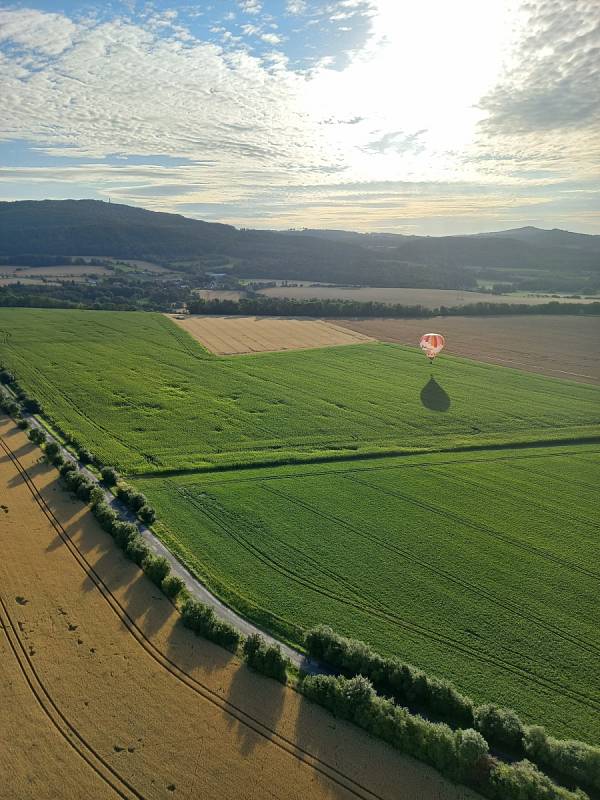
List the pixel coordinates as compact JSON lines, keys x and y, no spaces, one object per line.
{"x":273,"y":114}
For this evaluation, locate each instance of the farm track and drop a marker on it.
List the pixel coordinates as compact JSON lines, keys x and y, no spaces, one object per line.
{"x":427,"y":633}
{"x":247,"y":720}
{"x":384,"y":613}
{"x":56,"y":717}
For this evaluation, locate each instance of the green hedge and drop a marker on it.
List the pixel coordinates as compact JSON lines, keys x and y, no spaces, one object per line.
{"x":201,"y":619}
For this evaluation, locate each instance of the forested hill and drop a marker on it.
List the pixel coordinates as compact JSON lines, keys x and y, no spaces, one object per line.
{"x":95,"y":228}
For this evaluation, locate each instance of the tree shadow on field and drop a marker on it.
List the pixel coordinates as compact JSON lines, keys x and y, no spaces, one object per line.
{"x":260,"y":698}
{"x":434,"y":397}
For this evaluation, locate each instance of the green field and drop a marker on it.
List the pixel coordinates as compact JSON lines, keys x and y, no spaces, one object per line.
{"x":482,"y":566}
{"x":144,"y":396}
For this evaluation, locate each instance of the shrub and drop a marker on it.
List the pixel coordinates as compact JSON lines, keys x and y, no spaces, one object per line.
{"x":147,"y":514}
{"x":124,"y":532}
{"x":523,"y":781}
{"x":201,"y":619}
{"x":6,"y":376}
{"x":67,"y":467}
{"x":37,"y":436}
{"x":52,"y":450}
{"x":85,"y":456}
{"x":156,"y":568}
{"x":501,"y":726}
{"x":573,"y":759}
{"x":9,"y":406}
{"x":137,"y":549}
{"x":109,"y":476}
{"x":105,"y":516}
{"x":137,"y":501}
{"x":96,"y":495}
{"x":23,"y":424}
{"x":264,"y":658}
{"x":58,"y":460}
{"x":172,"y":586}
{"x":31,"y":406}
{"x":390,"y":676}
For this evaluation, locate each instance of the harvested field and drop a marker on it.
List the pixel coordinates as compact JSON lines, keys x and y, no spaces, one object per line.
{"x":116,"y":699}
{"x":233,"y":335}
{"x":18,"y":278}
{"x":547,"y":345}
{"x":429,"y":298}
{"x":218,"y":294}
{"x":61,"y":271}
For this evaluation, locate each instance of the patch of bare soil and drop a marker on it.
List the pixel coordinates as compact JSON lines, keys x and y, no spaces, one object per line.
{"x":104,"y":694}
{"x":236,"y":335}
{"x":561,"y":347}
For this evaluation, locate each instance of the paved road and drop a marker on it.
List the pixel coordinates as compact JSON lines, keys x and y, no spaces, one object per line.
{"x":193,"y":585}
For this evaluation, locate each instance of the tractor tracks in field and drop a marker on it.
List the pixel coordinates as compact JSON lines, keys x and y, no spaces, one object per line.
{"x":440,"y":638}
{"x":56,"y":717}
{"x":283,"y":743}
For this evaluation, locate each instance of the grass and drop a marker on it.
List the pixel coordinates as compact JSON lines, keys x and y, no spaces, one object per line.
{"x":482,"y":567}
{"x":143,"y":395}
{"x":479,"y":566}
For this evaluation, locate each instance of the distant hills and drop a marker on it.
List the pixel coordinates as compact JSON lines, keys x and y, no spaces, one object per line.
{"x":95,"y":228}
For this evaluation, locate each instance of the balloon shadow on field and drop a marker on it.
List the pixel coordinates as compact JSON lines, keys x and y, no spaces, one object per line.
{"x":434,"y":397}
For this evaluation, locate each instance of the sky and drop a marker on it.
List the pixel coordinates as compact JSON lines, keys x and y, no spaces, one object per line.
{"x":429,"y":117}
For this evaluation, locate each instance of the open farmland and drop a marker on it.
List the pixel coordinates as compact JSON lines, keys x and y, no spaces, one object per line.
{"x":104,"y":693}
{"x":143,"y":395}
{"x":231,"y":335}
{"x":481,"y":568}
{"x":477,"y":566}
{"x":561,"y":346}
{"x":428,"y":298}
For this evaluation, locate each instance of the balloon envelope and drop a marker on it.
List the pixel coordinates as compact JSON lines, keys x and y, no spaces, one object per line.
{"x":432,"y":344}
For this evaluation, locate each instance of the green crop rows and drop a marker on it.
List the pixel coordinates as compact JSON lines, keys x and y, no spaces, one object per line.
{"x":479,"y":566}
{"x":482,"y":568}
{"x":145,"y":397}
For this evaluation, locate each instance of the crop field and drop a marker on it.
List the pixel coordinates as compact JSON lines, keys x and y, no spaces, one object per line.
{"x":482,"y":568}
{"x":231,"y":335}
{"x":429,"y":298}
{"x":144,"y":396}
{"x":480,"y":565}
{"x":559,"y":346}
{"x":104,"y":693}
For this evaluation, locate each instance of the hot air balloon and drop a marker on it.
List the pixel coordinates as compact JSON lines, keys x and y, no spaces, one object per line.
{"x":432,"y":344}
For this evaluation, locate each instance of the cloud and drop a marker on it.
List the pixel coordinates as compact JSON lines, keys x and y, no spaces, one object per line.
{"x":296,"y":7}
{"x":555,"y":80}
{"x":250,"y":6}
{"x":49,"y":34}
{"x":398,"y":142}
{"x":271,"y":38}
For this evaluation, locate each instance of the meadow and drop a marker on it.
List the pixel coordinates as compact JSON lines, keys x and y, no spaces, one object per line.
{"x":479,"y":565}
{"x":144,"y":396}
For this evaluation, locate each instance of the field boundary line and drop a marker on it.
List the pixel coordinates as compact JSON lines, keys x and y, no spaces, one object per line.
{"x":270,"y":734}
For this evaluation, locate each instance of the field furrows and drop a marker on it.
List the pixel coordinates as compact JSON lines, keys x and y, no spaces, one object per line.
{"x":192,"y":683}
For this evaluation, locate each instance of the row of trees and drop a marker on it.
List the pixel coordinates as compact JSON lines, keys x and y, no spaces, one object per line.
{"x":282,"y":306}
{"x":412,"y":687}
{"x":460,"y":754}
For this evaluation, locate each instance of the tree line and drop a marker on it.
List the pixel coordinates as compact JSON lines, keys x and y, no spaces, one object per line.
{"x":408,"y":686}
{"x":326,"y":307}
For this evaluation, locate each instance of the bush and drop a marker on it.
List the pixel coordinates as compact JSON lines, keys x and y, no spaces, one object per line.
{"x":85,"y":456}
{"x":67,"y":467}
{"x":147,"y":514}
{"x":390,"y":676}
{"x":52,"y":450}
{"x":137,"y":549}
{"x":78,"y":483}
{"x":201,"y":619}
{"x":264,"y":658}
{"x":105,"y":516}
{"x":58,"y":460}
{"x":500,"y":726}
{"x":6,"y":376}
{"x":23,"y":424}
{"x":523,"y":781}
{"x":37,"y":436}
{"x":124,"y":532}
{"x":31,"y":406}
{"x":96,"y":495}
{"x":156,"y":568}
{"x":109,"y":476}
{"x":573,"y":759}
{"x":172,"y":586}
